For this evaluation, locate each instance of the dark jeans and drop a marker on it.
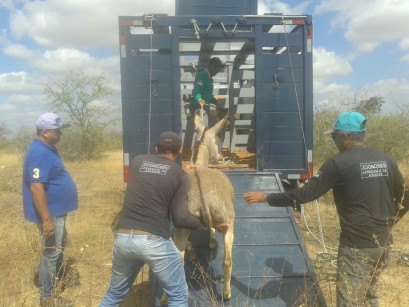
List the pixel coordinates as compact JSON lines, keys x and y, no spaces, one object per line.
{"x":358,"y":273}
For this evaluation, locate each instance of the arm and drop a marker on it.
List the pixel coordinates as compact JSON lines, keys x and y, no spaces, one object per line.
{"x":404,"y":208}
{"x":40,"y":202}
{"x":203,"y":89}
{"x":198,"y":88}
{"x":313,"y":189}
{"x":181,"y":217}
{"x":401,"y":195}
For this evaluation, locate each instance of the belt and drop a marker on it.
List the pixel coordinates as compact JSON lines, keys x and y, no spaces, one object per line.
{"x":133,"y":231}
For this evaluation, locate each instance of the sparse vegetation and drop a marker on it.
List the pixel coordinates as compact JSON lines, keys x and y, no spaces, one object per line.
{"x":84,"y":99}
{"x":101,"y":190}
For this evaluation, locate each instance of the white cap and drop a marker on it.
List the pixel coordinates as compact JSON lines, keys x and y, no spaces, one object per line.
{"x":50,"y":121}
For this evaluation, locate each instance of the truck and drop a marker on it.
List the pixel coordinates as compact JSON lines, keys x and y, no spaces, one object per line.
{"x":267,"y":85}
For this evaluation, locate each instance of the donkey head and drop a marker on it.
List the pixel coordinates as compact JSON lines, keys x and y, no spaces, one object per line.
{"x":208,"y":149}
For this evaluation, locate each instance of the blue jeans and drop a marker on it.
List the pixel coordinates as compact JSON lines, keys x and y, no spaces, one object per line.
{"x":358,"y":273}
{"x":51,"y":257}
{"x":131,"y":252}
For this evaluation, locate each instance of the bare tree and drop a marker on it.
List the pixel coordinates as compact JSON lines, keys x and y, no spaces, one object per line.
{"x":370,"y":106}
{"x":83,"y":98}
{"x":4,"y":131}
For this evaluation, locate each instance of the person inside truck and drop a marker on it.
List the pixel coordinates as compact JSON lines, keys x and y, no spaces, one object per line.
{"x":201,"y":101}
{"x":368,"y":189}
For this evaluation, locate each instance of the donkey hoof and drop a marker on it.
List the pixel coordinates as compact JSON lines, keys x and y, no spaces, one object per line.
{"x":226,"y":297}
{"x":164,"y":299}
{"x":192,"y":254}
{"x":212,"y":244}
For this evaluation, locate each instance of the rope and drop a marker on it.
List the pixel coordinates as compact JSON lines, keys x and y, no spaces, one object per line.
{"x":321,"y":239}
{"x":150,"y":87}
{"x":295,"y":89}
{"x":321,"y":233}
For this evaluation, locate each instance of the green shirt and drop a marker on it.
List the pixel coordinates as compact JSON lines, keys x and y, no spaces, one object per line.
{"x":203,"y":89}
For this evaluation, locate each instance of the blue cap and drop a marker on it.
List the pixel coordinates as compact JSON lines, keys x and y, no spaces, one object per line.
{"x":349,"y":122}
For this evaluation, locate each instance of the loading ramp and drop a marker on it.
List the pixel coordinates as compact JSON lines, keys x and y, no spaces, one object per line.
{"x":271,"y":266}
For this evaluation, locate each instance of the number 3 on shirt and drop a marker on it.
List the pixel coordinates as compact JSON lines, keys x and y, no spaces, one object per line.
{"x":36,"y":173}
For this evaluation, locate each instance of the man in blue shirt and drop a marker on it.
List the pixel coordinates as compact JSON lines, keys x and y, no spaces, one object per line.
{"x":49,"y":193}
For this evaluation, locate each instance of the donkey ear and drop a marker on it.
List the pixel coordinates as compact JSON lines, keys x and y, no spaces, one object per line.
{"x":220,"y":124}
{"x":199,"y":124}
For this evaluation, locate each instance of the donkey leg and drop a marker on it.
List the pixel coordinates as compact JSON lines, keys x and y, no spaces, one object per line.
{"x":180,"y":239}
{"x":227,"y":263}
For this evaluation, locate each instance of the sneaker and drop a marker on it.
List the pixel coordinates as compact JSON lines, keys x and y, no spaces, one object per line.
{"x":56,"y":302}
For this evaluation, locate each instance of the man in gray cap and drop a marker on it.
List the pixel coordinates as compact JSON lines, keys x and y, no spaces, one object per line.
{"x":368,"y":189}
{"x":49,"y":193}
{"x":156,"y":194}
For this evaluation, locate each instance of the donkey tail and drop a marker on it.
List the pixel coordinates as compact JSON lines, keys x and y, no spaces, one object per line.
{"x":204,"y":208}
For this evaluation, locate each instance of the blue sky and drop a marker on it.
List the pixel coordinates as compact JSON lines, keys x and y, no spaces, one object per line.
{"x":361,"y":48}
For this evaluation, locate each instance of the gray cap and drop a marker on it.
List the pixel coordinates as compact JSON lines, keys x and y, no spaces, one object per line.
{"x":50,"y":121}
{"x":169,"y":140}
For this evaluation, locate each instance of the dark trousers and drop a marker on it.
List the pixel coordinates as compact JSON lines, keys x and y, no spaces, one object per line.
{"x":358,"y":274}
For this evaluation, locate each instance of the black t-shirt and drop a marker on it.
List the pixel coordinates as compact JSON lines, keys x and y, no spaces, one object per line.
{"x":157,"y":191}
{"x":367,"y":187}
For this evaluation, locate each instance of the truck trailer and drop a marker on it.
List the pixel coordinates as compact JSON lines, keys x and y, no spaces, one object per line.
{"x":267,"y":86}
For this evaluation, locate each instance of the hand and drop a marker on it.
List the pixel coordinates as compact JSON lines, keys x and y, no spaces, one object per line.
{"x":48,"y":229}
{"x":222,"y":227}
{"x":188,"y":166}
{"x":255,"y":197}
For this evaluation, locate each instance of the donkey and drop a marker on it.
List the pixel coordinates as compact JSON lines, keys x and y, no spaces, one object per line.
{"x":211,"y":197}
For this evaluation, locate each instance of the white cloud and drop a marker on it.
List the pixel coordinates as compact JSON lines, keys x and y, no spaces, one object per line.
{"x":369,"y":24}
{"x":274,"y":6}
{"x":8,"y":4}
{"x":327,"y":64}
{"x":19,"y":51}
{"x":405,"y":58}
{"x":79,"y":24}
{"x":404,"y":44}
{"x":21,"y":110}
{"x":394,"y":91}
{"x":18,"y":82}
{"x":6,"y":107}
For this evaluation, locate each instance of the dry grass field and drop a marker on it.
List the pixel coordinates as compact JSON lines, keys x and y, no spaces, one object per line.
{"x":90,"y":242}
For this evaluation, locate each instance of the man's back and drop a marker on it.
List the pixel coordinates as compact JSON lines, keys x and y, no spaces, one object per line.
{"x":153,"y":183}
{"x":368,"y":183}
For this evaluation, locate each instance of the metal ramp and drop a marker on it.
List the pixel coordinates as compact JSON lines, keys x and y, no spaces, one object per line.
{"x":270,"y":264}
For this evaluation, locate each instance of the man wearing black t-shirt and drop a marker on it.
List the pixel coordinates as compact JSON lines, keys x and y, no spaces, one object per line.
{"x":156,"y":194}
{"x":368,"y":190}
